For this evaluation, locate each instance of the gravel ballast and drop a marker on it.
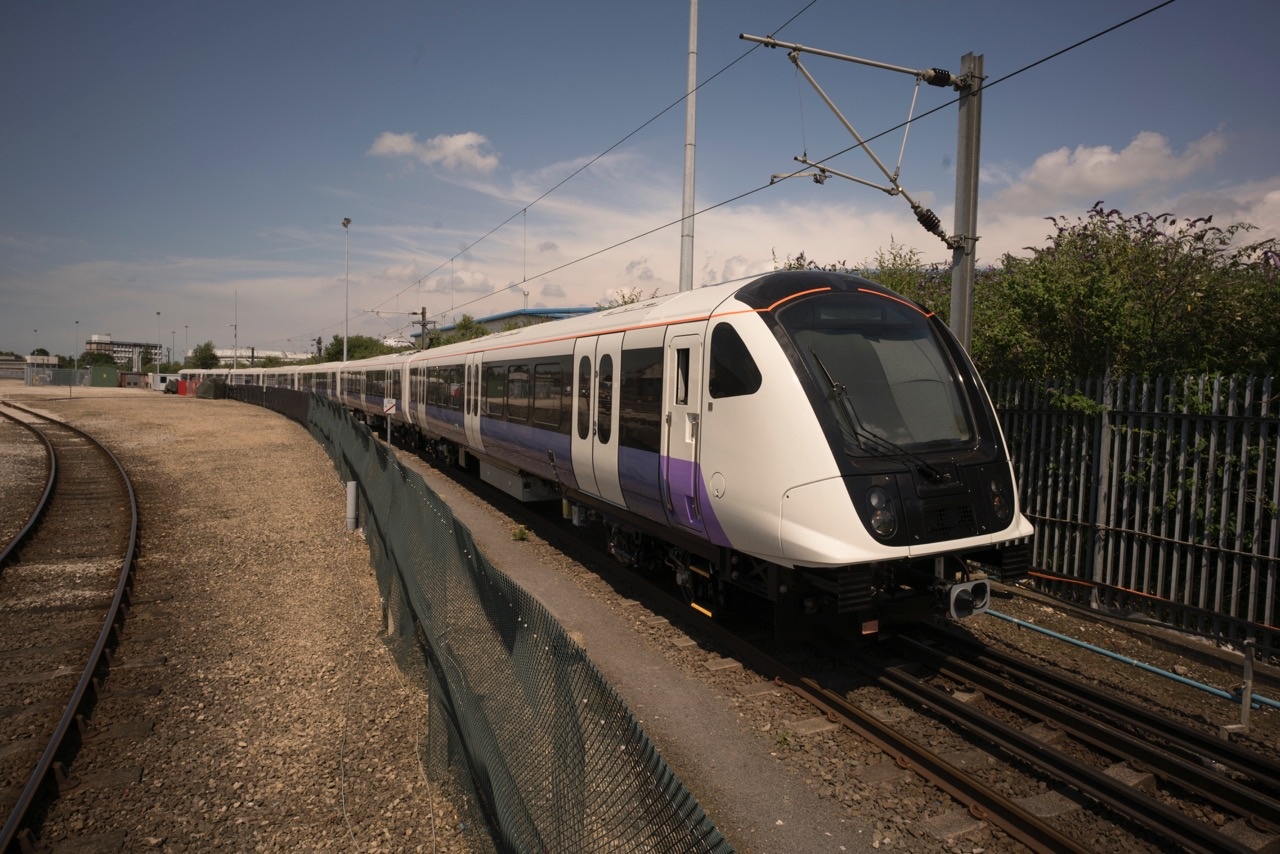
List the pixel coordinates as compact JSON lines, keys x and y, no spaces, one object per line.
{"x":253,"y":705}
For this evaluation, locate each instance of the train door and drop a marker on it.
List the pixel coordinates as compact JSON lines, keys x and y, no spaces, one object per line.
{"x":584,"y":369}
{"x":680,"y":474}
{"x":471,"y":400}
{"x":594,"y":445}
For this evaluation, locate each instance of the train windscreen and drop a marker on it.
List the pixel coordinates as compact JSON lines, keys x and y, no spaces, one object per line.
{"x":885,"y":374}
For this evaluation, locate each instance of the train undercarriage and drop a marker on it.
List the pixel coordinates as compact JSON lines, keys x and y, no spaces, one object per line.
{"x":847,"y":602}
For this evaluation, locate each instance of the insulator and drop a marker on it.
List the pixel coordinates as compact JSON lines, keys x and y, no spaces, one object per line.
{"x":929,"y":220}
{"x":937,"y":77}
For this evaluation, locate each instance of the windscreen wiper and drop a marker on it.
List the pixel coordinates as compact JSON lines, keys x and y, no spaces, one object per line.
{"x":879,"y":444}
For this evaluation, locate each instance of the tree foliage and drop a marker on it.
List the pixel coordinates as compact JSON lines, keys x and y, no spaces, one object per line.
{"x":96,"y":357}
{"x":465,"y":329}
{"x":358,"y":347}
{"x":204,"y":357}
{"x":1135,"y":295}
{"x":625,"y":296}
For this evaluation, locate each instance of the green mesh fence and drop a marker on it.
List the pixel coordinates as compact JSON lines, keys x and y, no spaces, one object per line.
{"x":520,"y":721}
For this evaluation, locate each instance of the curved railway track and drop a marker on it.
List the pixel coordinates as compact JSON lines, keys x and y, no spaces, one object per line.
{"x":64,"y":590}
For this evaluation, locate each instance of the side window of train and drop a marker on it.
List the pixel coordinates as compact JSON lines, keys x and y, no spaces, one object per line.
{"x":640,"y":399}
{"x":548,"y":404}
{"x":733,"y":372}
{"x":518,"y":392}
{"x":584,"y":397}
{"x":452,"y":386}
{"x":604,"y":400}
{"x":495,"y":390}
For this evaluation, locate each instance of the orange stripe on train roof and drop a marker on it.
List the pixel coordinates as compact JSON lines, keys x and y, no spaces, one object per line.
{"x":897,"y":300}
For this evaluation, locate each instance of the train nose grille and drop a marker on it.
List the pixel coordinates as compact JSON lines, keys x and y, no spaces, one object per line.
{"x":948,"y":520}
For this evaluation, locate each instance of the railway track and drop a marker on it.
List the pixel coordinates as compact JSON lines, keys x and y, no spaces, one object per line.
{"x":1154,"y":772}
{"x":64,"y":591}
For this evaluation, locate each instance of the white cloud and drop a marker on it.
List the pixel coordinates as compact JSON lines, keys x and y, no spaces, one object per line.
{"x":1255,"y":202}
{"x":1067,"y":178}
{"x":468,"y":152}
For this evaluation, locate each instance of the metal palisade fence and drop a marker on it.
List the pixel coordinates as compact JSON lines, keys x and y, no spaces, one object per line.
{"x":1154,"y":496}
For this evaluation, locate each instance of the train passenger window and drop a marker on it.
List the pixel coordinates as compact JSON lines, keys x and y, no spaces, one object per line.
{"x":548,"y":404}
{"x":733,"y":372}
{"x":495,"y":391}
{"x":517,"y":392}
{"x":584,"y":397}
{"x":640,"y":399}
{"x":451,"y":387}
{"x":604,"y":400}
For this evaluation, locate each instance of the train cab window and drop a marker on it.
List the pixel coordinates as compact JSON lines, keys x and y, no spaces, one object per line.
{"x":604,"y":401}
{"x":584,"y":397}
{"x":883,"y":370}
{"x":733,"y":372}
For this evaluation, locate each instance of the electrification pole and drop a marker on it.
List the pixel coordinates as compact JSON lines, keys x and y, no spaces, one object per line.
{"x":690,"y":132}
{"x":963,"y":254}
{"x":961,"y":243}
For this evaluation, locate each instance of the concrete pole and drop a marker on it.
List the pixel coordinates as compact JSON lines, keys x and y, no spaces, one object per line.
{"x":351,"y":505}
{"x":969,"y":135}
{"x":690,"y":133}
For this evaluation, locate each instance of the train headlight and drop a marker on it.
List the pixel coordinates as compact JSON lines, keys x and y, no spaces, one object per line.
{"x":884,"y":521}
{"x":1001,"y":504}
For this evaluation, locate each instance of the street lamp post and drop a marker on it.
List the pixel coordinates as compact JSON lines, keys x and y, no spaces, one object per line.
{"x":172,"y":333}
{"x":186,"y":343}
{"x":159,"y":344}
{"x":346,"y":272}
{"x":75,"y":356}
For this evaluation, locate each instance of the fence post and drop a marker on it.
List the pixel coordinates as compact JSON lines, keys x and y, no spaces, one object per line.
{"x":1101,"y":494}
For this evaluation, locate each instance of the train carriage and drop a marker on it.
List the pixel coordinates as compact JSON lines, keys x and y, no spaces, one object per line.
{"x":809,"y":436}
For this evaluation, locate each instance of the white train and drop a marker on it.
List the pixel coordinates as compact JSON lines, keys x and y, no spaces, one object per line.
{"x":810,"y":437}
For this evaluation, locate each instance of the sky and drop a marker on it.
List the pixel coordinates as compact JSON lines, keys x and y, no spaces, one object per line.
{"x":197,"y":160}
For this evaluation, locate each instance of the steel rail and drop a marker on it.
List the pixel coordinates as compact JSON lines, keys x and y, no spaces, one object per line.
{"x":14,"y":835}
{"x":1115,"y":795}
{"x":982,"y":802}
{"x":1190,"y":774}
{"x":1193,"y":743}
{"x":36,"y":513}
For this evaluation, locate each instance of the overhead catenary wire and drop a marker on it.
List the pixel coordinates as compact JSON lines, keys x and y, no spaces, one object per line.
{"x":524,"y":210}
{"x":739,"y":196}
